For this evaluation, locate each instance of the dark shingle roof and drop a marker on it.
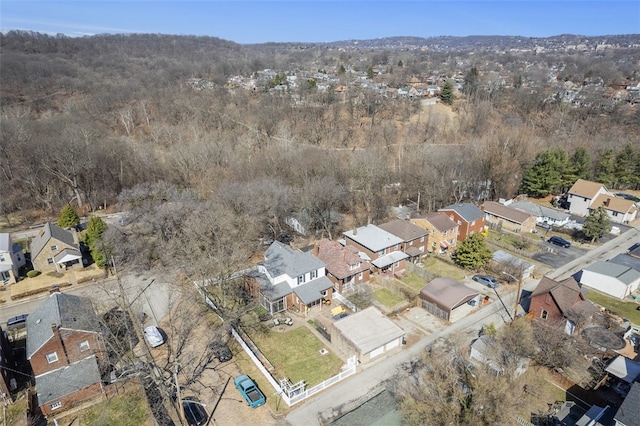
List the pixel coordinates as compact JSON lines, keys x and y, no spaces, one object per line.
{"x":404,"y":229}
{"x":566,"y":294}
{"x":447,"y":293}
{"x":468,"y":211}
{"x":69,"y":379}
{"x":311,"y":291}
{"x":65,"y":311}
{"x":439,"y":220}
{"x":505,"y":212}
{"x":281,"y":259}
{"x":628,"y":412}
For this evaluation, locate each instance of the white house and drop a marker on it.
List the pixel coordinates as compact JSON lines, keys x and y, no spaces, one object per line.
{"x":618,"y":209}
{"x":545,"y":216}
{"x":582,"y":194}
{"x":611,"y":278}
{"x":11,"y":259}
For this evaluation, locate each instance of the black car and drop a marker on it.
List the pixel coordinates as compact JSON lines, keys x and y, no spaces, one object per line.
{"x":559,"y":241}
{"x":222,"y":352}
{"x":194,"y":412}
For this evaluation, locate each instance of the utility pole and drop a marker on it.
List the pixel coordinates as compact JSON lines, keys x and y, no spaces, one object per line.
{"x":178,"y":397}
{"x":517,"y":302}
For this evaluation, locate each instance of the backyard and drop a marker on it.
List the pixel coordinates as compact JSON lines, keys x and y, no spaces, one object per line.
{"x":625,"y":309}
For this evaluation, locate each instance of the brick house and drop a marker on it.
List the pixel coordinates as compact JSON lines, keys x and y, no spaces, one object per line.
{"x":499,"y":216}
{"x":382,"y":247}
{"x":66,"y":351}
{"x":469,"y":217}
{"x":560,"y":304}
{"x":345,"y":267}
{"x":54,"y":249}
{"x":443,"y":232}
{"x":414,"y":238}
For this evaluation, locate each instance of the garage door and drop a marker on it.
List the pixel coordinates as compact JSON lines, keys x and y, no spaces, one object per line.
{"x":376,"y":352}
{"x":392,"y":345}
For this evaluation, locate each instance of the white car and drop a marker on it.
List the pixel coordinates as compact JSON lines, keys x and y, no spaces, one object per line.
{"x":154,"y":336}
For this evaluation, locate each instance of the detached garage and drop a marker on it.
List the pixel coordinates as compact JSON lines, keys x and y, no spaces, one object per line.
{"x":368,"y":334}
{"x":448,"y":299}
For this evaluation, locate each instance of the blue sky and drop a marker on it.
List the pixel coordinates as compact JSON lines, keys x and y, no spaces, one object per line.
{"x":320,"y":21}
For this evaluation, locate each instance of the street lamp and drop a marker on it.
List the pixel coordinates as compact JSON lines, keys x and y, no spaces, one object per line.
{"x":517,"y":302}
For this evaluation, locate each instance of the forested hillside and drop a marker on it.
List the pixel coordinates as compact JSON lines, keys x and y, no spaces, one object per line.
{"x":84,"y":119}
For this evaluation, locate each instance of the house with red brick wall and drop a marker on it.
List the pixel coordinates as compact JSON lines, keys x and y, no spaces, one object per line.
{"x":443,"y":232}
{"x":415,"y":239}
{"x":382,"y":247}
{"x":346,"y":268}
{"x":501,"y":217}
{"x":469,"y":217}
{"x":560,"y":304}
{"x":66,"y":351}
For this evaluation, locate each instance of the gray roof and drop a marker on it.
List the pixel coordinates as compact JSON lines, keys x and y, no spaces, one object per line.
{"x":50,"y":231}
{"x":69,"y":379}
{"x":404,"y":229}
{"x":65,"y":311}
{"x":624,"y":274}
{"x":624,"y":369}
{"x":311,"y":291}
{"x":389,"y":259}
{"x":507,"y":258}
{"x":281,"y":259}
{"x":468,"y":211}
{"x":628,"y":412}
{"x":4,"y":242}
{"x":368,"y":329}
{"x":373,"y":238}
{"x":626,"y":260}
{"x":540,"y":211}
{"x":270,"y":291}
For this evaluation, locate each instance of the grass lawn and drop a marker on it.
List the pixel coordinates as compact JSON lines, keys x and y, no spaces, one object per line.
{"x":414,"y":281}
{"x":127,"y":409}
{"x":387,"y":297}
{"x":443,"y":269}
{"x":16,"y":414}
{"x":296,"y":355}
{"x":622,"y":308}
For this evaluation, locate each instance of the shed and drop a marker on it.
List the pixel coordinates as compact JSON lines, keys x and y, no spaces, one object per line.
{"x":513,"y":262}
{"x":448,"y":299}
{"x":368,"y":334}
{"x":624,"y":369}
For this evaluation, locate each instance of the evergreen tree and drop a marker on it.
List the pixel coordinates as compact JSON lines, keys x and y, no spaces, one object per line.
{"x":93,"y":239}
{"x":472,"y":252}
{"x":471,"y":82}
{"x":370,"y":73}
{"x":341,"y":70}
{"x":400,"y":63}
{"x":605,"y":170}
{"x":68,"y":217}
{"x":580,"y":164}
{"x":548,"y":174}
{"x":625,"y":167}
{"x":596,"y":224}
{"x":446,"y":95}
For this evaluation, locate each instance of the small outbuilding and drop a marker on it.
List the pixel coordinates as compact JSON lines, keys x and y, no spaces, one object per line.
{"x":368,"y":334}
{"x":448,"y":299}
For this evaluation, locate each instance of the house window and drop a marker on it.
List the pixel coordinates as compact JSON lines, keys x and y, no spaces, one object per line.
{"x":422,"y":239}
{"x":84,"y":346}
{"x":459,"y":222}
{"x":50,"y":261}
{"x":473,"y":222}
{"x":54,"y":247}
{"x":381,"y":252}
{"x":55,"y":405}
{"x":301,"y":279}
{"x":314,"y":274}
{"x":544,"y":314}
{"x":360,"y":275}
{"x":2,"y":259}
{"x":615,"y":213}
{"x":397,"y":264}
{"x":52,"y":357}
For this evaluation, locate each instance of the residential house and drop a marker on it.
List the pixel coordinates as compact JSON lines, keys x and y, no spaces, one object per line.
{"x":626,"y":260}
{"x":11,"y":259}
{"x":627,"y":414}
{"x":485,"y":351}
{"x":469,"y":217}
{"x":414,"y":238}
{"x":610,"y":278}
{"x":368,"y":334}
{"x":288,"y":278}
{"x":513,"y":265}
{"x":382,"y":247}
{"x":546,"y":217}
{"x":622,"y":372}
{"x":501,"y":217}
{"x":443,"y":232}
{"x":618,"y":209}
{"x":345,"y":266}
{"x":560,"y":304}
{"x":582,"y":194}
{"x":54,"y":249}
{"x":448,"y":299}
{"x":304,"y":224}
{"x":66,"y":351}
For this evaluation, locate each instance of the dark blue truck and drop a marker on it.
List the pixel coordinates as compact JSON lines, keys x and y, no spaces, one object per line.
{"x":249,"y":390}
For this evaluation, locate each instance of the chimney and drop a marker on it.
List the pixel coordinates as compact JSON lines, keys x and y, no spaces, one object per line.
{"x":54,"y":289}
{"x":355,"y":231}
{"x":606,"y":203}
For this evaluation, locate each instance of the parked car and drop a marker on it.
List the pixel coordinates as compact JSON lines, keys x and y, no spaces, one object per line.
{"x":19,"y":321}
{"x":194,"y":412}
{"x":249,"y":390}
{"x":222,"y":352}
{"x":487,"y":280}
{"x":132,"y":370}
{"x":154,"y":336}
{"x":559,"y":241}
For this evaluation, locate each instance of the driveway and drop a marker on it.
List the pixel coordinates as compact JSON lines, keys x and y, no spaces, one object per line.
{"x":556,"y":256}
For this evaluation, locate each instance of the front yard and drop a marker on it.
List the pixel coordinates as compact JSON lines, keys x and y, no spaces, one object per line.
{"x":623,"y":308}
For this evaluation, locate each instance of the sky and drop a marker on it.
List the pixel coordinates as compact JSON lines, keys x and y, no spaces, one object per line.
{"x":261,"y":21}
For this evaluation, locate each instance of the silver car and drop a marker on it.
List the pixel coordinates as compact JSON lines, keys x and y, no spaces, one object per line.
{"x":154,"y":336}
{"x":487,"y":280}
